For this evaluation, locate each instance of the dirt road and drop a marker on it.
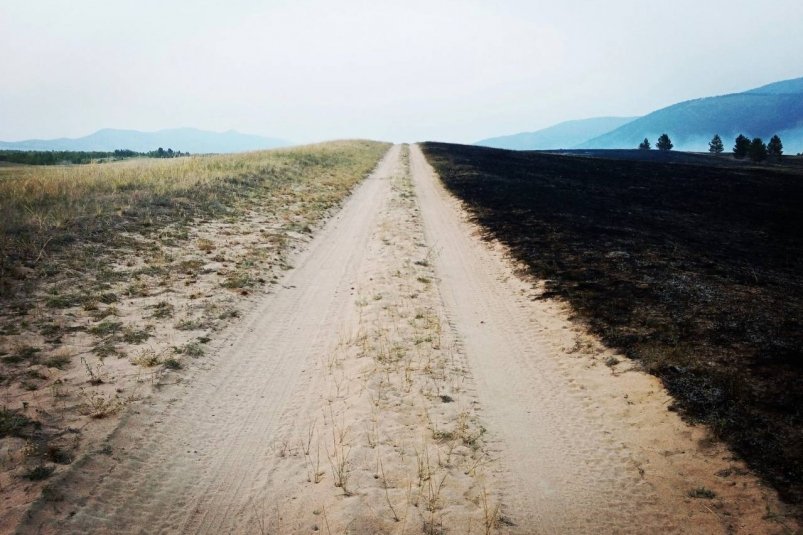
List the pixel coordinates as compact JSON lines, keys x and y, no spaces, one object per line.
{"x":401,"y":379}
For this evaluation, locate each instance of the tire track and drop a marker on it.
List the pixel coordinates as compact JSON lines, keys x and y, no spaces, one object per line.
{"x":196,"y":463}
{"x":571,"y":466}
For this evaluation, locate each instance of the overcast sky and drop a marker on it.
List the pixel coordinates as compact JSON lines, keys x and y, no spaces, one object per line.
{"x":309,"y":70}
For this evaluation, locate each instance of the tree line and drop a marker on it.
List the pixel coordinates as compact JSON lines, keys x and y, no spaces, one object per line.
{"x":55,"y":157}
{"x":755,"y":149}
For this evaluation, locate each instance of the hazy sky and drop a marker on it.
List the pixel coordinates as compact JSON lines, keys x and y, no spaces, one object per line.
{"x":410,"y":70}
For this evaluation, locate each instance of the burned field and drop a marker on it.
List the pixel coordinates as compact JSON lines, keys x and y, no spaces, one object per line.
{"x":692,"y":270}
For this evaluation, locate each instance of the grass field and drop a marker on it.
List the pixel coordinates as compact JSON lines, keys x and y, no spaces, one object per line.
{"x":115,"y":275}
{"x":692,"y":270}
{"x":44,"y":209}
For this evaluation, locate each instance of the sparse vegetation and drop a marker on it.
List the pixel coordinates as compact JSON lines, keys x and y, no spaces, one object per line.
{"x":702,"y":492}
{"x":96,"y":260}
{"x":39,"y":473}
{"x":15,"y":424}
{"x":58,"y":361}
{"x":192,"y":349}
{"x":172,"y":363}
{"x":46,"y":210}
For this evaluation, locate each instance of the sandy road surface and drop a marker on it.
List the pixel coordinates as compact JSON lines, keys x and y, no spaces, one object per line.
{"x":402,"y":380}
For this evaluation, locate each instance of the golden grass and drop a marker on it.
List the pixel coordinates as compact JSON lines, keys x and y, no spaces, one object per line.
{"x":45,"y":207}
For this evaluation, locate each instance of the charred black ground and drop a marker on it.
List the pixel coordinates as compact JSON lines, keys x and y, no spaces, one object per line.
{"x":694,"y":270}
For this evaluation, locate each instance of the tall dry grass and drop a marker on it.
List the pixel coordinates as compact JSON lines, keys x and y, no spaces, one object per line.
{"x":44,"y":209}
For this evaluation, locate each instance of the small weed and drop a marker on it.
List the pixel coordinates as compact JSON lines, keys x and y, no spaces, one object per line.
{"x":134,"y":336}
{"x":105,"y":328}
{"x":108,"y":298}
{"x":190,"y":266}
{"x":162,"y":310}
{"x":10,"y":330}
{"x":237,"y":280}
{"x":96,"y":375}
{"x":146,"y":359}
{"x":35,"y":374}
{"x":138,"y":289}
{"x":205,"y":245}
{"x":50,"y":494}
{"x":191,"y":349}
{"x":39,"y":473}
{"x":703,"y":493}
{"x":23,"y":353}
{"x":102,"y":313}
{"x":443,"y":436}
{"x":62,"y":301}
{"x":229,"y":313}
{"x":172,"y":364}
{"x":57,"y":361}
{"x":98,"y":405}
{"x":50,"y":330}
{"x":107,"y":348}
{"x":58,"y":455}
{"x":14,"y":424}
{"x":191,"y":325}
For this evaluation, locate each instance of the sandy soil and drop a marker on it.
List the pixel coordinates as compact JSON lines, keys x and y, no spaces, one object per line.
{"x":403,"y":379}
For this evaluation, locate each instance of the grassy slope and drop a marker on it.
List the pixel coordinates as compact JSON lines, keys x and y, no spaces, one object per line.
{"x":45,"y":210}
{"x":106,"y":261}
{"x":693,"y":270}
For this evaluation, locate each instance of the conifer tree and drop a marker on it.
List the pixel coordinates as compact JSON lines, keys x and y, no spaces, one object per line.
{"x":715,"y":146}
{"x":758,"y":150}
{"x":775,"y":148}
{"x":741,"y":147}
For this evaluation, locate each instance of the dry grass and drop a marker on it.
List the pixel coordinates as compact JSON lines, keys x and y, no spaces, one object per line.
{"x":113,"y":277}
{"x":44,"y":209}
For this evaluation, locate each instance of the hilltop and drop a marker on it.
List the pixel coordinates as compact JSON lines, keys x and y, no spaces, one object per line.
{"x":560,"y":136}
{"x":762,"y":112}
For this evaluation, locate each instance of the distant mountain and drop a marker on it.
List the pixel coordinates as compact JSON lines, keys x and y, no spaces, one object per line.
{"x":786,"y":87}
{"x":560,"y":136}
{"x":762,"y":112}
{"x":184,"y":139}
